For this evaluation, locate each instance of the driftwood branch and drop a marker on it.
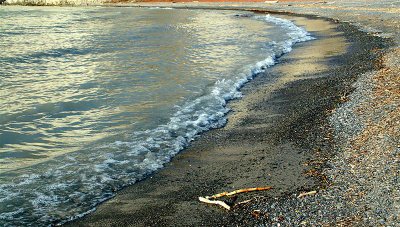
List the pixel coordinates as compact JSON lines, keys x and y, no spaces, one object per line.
{"x":208,"y":200}
{"x":217,"y":202}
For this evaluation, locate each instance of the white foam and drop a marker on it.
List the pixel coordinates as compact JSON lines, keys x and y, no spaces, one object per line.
{"x":43,"y":200}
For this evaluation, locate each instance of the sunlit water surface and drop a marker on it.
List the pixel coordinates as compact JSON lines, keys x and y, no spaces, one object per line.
{"x":94,"y":99}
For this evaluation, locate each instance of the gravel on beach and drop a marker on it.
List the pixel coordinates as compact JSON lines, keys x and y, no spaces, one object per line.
{"x":365,"y":169}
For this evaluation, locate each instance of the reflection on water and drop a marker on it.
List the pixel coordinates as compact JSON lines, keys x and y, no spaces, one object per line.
{"x":73,"y":76}
{"x":45,"y":58}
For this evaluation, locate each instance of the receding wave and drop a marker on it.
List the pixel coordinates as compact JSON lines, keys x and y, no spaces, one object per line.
{"x":71,"y":185}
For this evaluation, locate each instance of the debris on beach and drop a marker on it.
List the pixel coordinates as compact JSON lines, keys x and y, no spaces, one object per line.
{"x":207,"y":199}
{"x":256,"y":213}
{"x":306,"y":194}
{"x":217,"y":202}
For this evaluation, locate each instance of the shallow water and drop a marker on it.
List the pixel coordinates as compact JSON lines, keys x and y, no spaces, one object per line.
{"x":94,"y":99}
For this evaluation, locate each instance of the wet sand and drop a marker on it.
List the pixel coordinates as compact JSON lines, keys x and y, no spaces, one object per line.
{"x":277,"y":135}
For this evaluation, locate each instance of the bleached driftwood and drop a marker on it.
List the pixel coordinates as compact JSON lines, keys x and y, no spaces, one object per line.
{"x":207,"y":199}
{"x":217,"y":202}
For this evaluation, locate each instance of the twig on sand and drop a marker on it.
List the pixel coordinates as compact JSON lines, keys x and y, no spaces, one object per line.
{"x":243,"y":202}
{"x":217,"y":202}
{"x":207,"y":199}
{"x":306,"y":194}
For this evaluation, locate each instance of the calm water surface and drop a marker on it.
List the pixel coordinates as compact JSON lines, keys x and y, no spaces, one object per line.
{"x":94,"y":99}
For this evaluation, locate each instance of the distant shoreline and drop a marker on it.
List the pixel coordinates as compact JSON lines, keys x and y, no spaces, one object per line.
{"x":100,"y":2}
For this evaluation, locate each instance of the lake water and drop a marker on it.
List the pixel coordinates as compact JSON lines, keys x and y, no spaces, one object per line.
{"x":95,"y":99}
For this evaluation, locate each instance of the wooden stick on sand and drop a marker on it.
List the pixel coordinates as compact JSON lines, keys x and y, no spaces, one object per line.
{"x":217,"y":202}
{"x":223,"y":204}
{"x":306,"y":194}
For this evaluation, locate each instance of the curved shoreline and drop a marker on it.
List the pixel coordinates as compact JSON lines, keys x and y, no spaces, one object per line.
{"x":346,"y":155}
{"x":377,"y":94}
{"x":197,"y":171}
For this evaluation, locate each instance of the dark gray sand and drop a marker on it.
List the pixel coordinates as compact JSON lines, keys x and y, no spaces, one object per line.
{"x":277,"y":135}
